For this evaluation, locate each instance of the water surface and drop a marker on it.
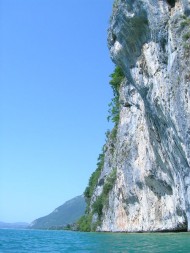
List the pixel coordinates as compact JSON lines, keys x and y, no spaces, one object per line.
{"x":37,"y":241}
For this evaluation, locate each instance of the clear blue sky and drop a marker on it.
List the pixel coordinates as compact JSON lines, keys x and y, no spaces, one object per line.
{"x":54,"y":95}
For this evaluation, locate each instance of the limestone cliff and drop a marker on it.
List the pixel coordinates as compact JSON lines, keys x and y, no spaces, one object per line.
{"x":150,"y":41}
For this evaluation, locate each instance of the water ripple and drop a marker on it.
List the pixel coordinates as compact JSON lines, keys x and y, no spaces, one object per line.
{"x":37,"y":241}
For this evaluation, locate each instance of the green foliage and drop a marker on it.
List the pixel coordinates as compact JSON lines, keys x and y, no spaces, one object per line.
{"x":68,"y":227}
{"x":95,"y":225}
{"x":107,"y":134}
{"x":113,"y":133}
{"x":183,"y":16}
{"x":93,"y":181}
{"x":115,"y":82}
{"x":109,"y":182}
{"x":186,"y":36}
{"x":187,"y":47}
{"x":102,"y":200}
{"x":114,"y":110}
{"x":185,"y":22}
{"x":116,"y":79}
{"x":98,"y":205}
{"x":84,"y":223}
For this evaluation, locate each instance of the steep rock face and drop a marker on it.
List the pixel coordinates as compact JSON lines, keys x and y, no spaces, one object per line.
{"x":151,"y":152}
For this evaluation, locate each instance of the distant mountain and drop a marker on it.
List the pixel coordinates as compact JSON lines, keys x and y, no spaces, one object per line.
{"x":68,"y":213}
{"x":13,"y":225}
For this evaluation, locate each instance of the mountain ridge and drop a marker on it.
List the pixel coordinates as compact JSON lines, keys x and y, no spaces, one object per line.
{"x":68,"y":213}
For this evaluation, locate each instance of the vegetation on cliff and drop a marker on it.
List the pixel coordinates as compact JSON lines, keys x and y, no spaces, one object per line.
{"x":85,"y":222}
{"x":185,"y":25}
{"x":115,"y":82}
{"x":94,"y":179}
{"x":102,"y":200}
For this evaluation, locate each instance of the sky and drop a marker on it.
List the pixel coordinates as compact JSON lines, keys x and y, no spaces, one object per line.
{"x":54,"y":95}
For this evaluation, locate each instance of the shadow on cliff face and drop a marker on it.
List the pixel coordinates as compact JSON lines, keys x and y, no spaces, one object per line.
{"x":158,"y":186}
{"x":171,"y":3}
{"x":170,"y":159}
{"x":130,"y":30}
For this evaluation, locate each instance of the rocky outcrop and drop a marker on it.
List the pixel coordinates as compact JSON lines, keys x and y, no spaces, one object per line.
{"x":149,"y":40}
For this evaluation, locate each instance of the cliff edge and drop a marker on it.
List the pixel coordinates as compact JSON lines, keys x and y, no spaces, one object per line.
{"x":144,"y":181}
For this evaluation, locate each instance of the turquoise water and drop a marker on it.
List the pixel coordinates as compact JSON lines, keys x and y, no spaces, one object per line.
{"x":30,"y":241}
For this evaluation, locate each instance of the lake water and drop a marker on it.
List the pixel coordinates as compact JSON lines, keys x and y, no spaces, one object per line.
{"x":37,"y":241}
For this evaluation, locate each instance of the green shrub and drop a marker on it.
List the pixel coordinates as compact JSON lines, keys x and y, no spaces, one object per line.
{"x":186,"y":36}
{"x":110,"y":182}
{"x":93,"y":181}
{"x":116,"y":78}
{"x":186,"y":22}
{"x":84,"y":223}
{"x":113,"y":111}
{"x":102,"y":200}
{"x":186,"y":47}
{"x":113,"y":133}
{"x":98,"y":205}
